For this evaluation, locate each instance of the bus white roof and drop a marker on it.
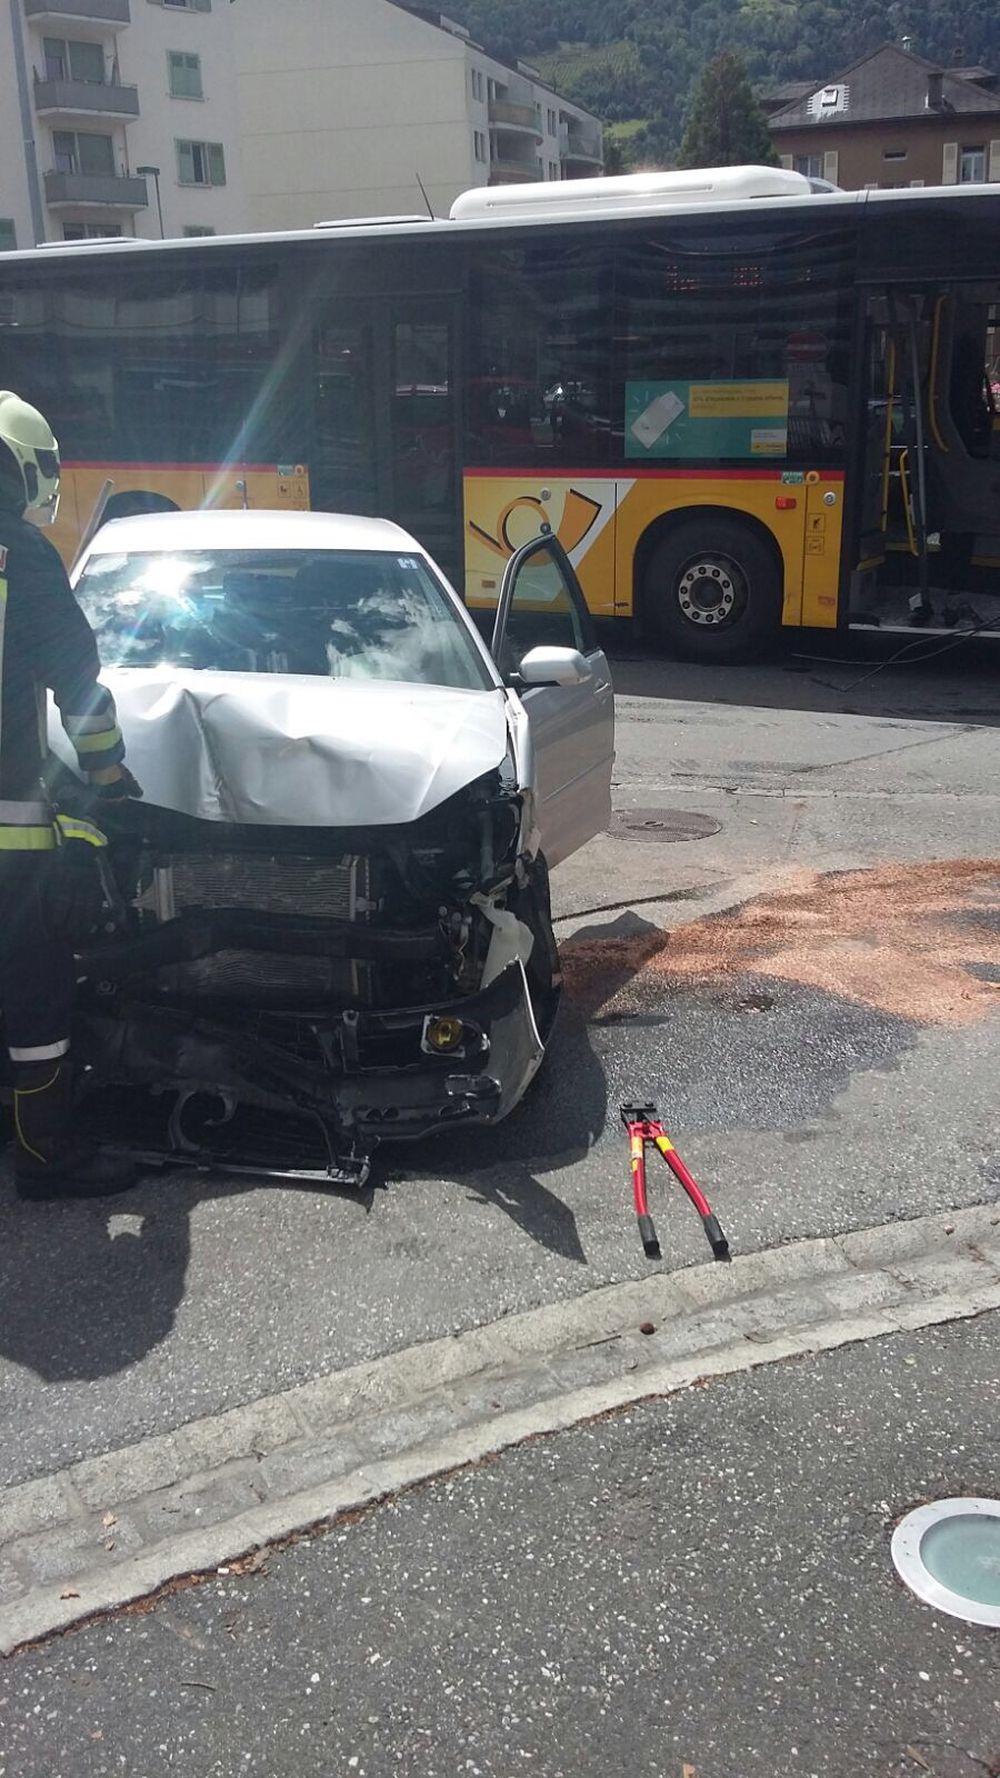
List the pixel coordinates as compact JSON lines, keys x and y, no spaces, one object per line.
{"x":580,"y":197}
{"x":534,"y":206}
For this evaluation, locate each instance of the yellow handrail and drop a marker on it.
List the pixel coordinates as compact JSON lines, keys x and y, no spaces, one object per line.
{"x":887,"y":440}
{"x":904,"y":482}
{"x":932,"y":377}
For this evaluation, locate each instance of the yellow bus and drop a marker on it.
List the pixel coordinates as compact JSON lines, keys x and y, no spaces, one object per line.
{"x":739,"y":402}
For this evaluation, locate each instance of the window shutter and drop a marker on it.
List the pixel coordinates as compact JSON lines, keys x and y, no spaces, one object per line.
{"x":949,"y":164}
{"x":202,"y":5}
{"x":216,"y":163}
{"x":785,"y":160}
{"x":993,"y":168}
{"x":831,"y":162}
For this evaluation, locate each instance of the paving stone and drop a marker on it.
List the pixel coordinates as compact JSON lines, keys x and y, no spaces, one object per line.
{"x":767,"y":1271}
{"x":307,"y":1464}
{"x":874,"y":1249}
{"x":861,"y":1290}
{"x":386,"y":1434}
{"x":700,"y":1333}
{"x":601,"y":1363}
{"x":11,"y":1584}
{"x":124,"y":1475}
{"x":64,"y":1551}
{"x":482,"y":1398}
{"x":32,"y":1505}
{"x":941,"y":1272}
{"x":200,"y":1502}
{"x":786,"y":1308}
{"x":245,"y":1432}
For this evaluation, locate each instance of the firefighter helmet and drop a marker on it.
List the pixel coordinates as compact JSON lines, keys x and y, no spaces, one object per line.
{"x":29,"y":456}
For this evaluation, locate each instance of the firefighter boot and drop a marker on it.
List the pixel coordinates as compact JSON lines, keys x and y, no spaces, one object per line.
{"x":50,"y":1161}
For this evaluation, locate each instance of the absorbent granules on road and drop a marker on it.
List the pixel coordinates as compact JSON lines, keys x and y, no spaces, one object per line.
{"x":915,"y":941}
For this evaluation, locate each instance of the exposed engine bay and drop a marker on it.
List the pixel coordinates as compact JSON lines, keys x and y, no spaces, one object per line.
{"x":284,"y":998}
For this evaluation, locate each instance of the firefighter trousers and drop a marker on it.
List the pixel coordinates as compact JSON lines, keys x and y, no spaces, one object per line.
{"x":37,"y":968}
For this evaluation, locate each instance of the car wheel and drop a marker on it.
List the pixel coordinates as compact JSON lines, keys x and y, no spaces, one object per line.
{"x":712,"y":591}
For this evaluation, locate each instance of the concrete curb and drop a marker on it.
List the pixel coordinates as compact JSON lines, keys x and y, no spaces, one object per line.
{"x":114,"y":1529}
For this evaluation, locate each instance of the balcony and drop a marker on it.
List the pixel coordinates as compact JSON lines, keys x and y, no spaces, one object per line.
{"x":116,"y":191}
{"x":580,"y":146}
{"x":98,"y":12}
{"x":514,"y":172}
{"x":522,"y":119}
{"x":85,"y":98}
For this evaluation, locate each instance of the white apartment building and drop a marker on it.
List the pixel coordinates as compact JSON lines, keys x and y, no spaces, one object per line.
{"x":186,"y":117}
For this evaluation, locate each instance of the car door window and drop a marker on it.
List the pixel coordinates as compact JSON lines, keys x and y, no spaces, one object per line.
{"x":541,"y":606}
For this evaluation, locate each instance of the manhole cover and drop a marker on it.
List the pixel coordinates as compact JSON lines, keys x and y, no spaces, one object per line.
{"x":666,"y":825}
{"x":948,"y":1553}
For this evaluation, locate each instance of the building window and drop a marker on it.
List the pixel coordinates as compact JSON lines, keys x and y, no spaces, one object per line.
{"x":479,"y":144}
{"x":552,"y":121}
{"x":186,"y":5}
{"x":81,"y":151}
{"x":553,"y":169}
{"x":972,"y":166}
{"x":894,"y":154}
{"x":201,"y":163}
{"x":185,"y":75}
{"x":73,"y":61}
{"x":195,"y":231}
{"x":8,"y":234}
{"x":91,"y":231}
{"x":478,"y":89}
{"x":810,"y":165}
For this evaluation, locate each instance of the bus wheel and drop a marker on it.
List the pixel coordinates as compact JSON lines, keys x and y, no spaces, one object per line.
{"x":712,"y":591}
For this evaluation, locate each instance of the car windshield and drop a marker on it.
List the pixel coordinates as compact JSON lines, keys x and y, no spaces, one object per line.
{"x":340,"y":614}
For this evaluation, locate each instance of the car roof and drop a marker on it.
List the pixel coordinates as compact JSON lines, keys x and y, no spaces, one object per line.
{"x":251,"y":530}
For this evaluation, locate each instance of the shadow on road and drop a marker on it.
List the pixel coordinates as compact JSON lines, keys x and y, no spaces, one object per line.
{"x":88,"y":1289}
{"x":952,"y":680}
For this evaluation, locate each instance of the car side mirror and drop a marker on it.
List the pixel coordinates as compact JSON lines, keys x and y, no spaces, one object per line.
{"x":553,"y":666}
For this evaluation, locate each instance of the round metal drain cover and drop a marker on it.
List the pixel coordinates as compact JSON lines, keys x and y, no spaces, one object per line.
{"x":668,"y":826}
{"x":948,"y":1553}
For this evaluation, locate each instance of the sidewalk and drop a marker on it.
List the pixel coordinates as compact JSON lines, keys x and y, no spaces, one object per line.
{"x":699,"y":1588}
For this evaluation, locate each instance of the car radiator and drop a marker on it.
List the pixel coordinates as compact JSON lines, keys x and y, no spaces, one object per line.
{"x":335,"y":889}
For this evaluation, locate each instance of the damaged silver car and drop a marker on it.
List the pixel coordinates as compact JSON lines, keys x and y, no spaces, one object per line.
{"x":328,"y":922}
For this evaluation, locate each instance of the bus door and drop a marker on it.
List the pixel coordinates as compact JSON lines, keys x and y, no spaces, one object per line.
{"x":424,"y":482}
{"x":963,"y":439}
{"x":879,"y":502}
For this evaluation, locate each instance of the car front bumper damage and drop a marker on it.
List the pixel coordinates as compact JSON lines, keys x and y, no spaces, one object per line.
{"x":228,"y":1095}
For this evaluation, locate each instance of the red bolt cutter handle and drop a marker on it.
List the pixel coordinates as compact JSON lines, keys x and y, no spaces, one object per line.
{"x":643,"y":1126}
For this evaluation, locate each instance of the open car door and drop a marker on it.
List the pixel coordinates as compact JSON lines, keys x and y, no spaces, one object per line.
{"x":545,"y":647}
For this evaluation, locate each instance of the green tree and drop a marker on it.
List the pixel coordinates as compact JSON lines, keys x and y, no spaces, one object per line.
{"x":725,"y":126}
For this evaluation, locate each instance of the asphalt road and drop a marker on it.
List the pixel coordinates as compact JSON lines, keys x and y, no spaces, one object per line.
{"x":804,"y":1111}
{"x":700,"y":1588}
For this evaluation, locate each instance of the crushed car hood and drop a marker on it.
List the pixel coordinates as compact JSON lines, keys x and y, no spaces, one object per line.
{"x":297,"y":751}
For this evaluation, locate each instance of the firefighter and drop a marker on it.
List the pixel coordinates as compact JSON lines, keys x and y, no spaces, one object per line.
{"x":50,"y":880}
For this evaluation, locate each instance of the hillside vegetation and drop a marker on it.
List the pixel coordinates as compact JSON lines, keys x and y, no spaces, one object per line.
{"x":638,"y":60}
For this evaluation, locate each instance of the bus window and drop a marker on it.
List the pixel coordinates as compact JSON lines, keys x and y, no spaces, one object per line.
{"x":539,"y":391}
{"x":423,"y":419}
{"x":769,"y":318}
{"x":343,"y":466}
{"x":180,"y":369}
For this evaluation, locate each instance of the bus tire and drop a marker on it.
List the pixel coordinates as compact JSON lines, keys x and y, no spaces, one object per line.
{"x":712,"y":591}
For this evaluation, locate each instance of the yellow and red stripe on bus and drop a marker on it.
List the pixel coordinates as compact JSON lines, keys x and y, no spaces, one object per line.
{"x":601,"y":520}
